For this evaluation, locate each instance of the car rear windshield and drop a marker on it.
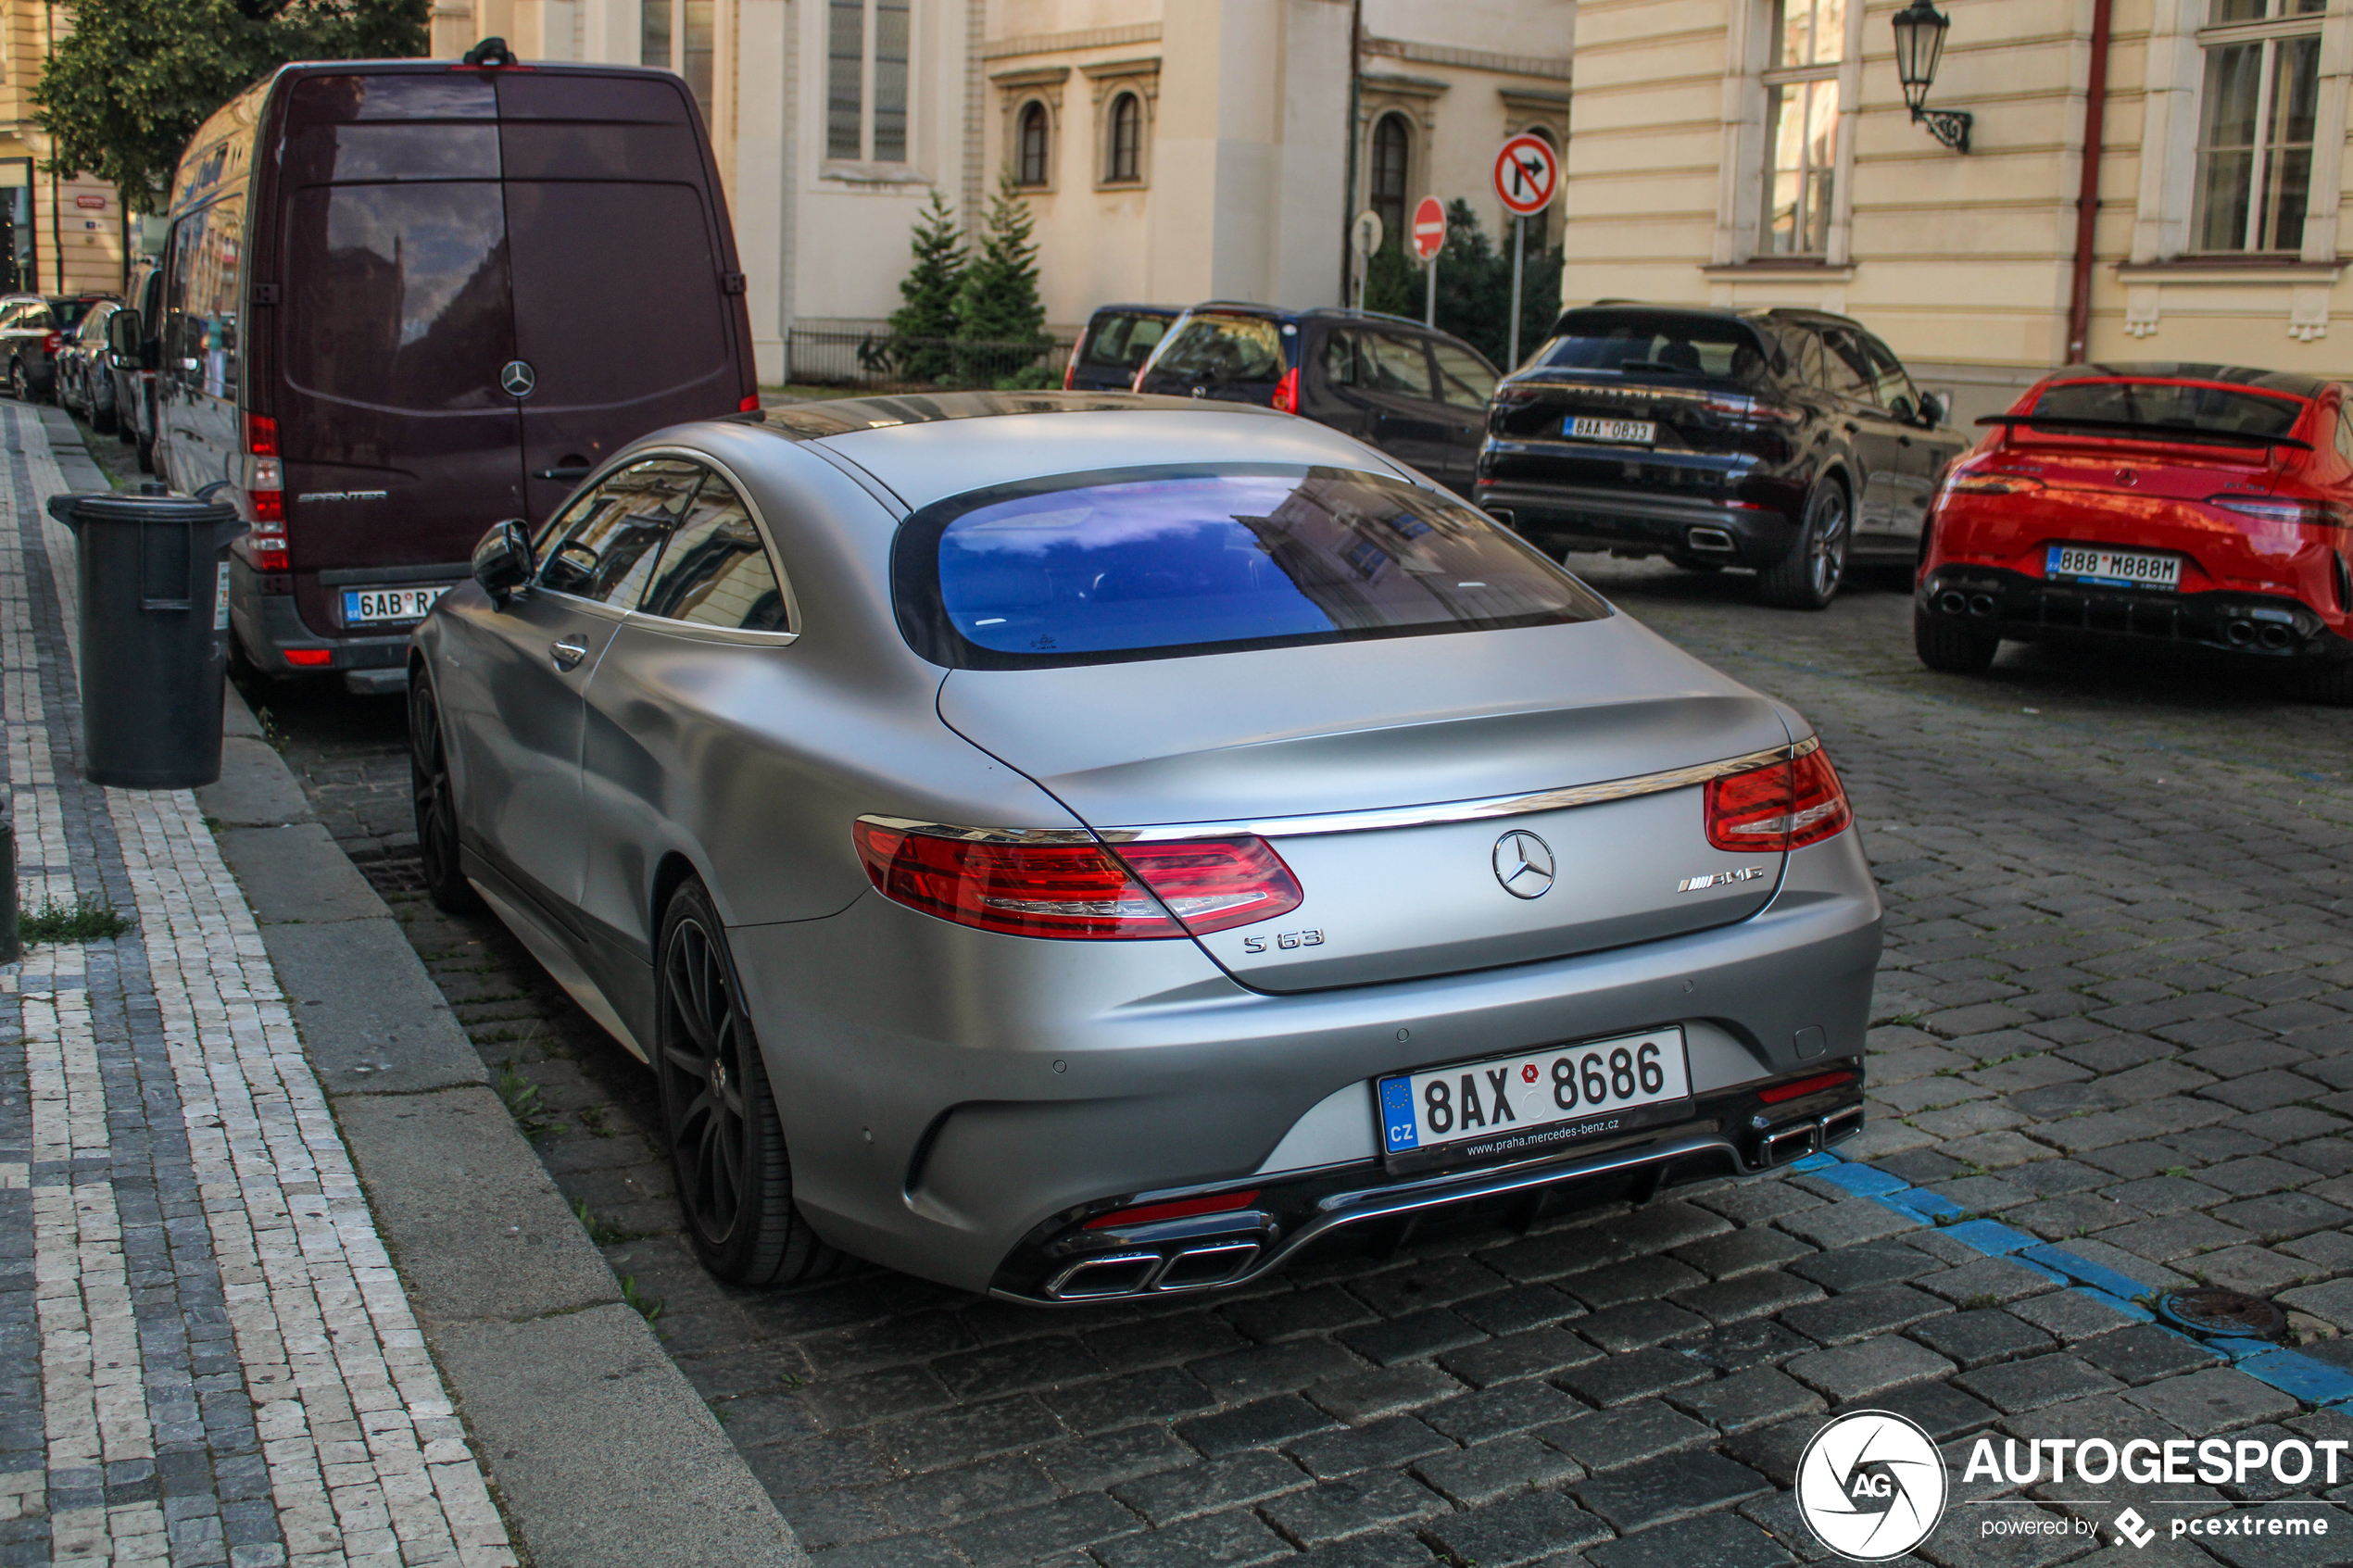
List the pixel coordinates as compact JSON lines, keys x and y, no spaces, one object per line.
{"x":69,"y":312}
{"x":2171,"y":407}
{"x":1220,"y":350}
{"x":1160,"y":563}
{"x":1655,"y":344}
{"x":1120,"y":342}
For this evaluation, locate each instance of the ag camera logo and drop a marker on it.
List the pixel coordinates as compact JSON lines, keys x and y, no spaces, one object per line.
{"x":1871,"y":1485}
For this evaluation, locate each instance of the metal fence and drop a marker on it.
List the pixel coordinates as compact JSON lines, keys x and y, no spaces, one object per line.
{"x":874,"y":361}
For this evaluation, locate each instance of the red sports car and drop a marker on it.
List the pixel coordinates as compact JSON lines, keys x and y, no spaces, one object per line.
{"x":2201,"y":505}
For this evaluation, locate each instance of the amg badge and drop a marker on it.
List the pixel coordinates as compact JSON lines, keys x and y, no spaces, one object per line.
{"x":1719,"y":879}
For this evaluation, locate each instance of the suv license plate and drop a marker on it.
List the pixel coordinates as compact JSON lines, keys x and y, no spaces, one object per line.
{"x":1533,"y":1102}
{"x":1619,"y":433}
{"x":2119,"y":569}
{"x":364,"y":607}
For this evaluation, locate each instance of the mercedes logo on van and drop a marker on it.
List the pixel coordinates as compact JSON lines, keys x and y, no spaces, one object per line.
{"x":1524,"y":865}
{"x":517,"y":378}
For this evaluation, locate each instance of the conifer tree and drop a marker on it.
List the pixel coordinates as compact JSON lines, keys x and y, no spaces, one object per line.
{"x":920,"y":329}
{"x":999,"y":305}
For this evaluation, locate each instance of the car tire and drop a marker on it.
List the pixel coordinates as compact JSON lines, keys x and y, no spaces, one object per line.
{"x":436,"y":806}
{"x":718,"y":1113}
{"x":2329,"y":684}
{"x":1809,"y":577}
{"x":18,"y":388}
{"x":146,"y":453}
{"x":102,"y":419}
{"x":1951,"y":647}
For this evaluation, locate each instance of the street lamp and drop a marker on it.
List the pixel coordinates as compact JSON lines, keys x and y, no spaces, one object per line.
{"x":1920,"y":44}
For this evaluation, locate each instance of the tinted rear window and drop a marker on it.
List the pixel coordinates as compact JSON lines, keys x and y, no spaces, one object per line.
{"x":1223,"y":349}
{"x":2170,"y":406}
{"x":1653,"y":345}
{"x":71,"y":311}
{"x":1121,"y":342}
{"x":1157,"y":563}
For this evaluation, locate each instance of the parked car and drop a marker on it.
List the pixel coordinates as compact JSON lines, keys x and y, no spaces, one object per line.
{"x":84,"y":376}
{"x":404,"y":299}
{"x":32,"y":330}
{"x":2200,"y":505}
{"x":1419,"y":396}
{"x":1005,"y":822}
{"x":1118,"y":340}
{"x":134,"y":353}
{"x":1790,"y":442}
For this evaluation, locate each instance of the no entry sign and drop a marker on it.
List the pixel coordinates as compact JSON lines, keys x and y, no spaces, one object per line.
{"x":1429,"y":228}
{"x":1528,"y":172}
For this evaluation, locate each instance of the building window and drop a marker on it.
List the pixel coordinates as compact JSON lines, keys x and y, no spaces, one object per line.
{"x":866,"y":81}
{"x":1029,"y":168}
{"x":2255,"y":124}
{"x":1125,"y":164}
{"x":681,"y":35}
{"x":1801,"y":124}
{"x":1390,"y":147}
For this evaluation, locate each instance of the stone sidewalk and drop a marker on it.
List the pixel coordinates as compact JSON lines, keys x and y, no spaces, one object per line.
{"x":206,"y":1356}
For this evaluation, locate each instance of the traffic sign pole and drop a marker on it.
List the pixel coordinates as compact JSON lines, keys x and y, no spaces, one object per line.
{"x":1519,"y":245}
{"x":1430,"y":295}
{"x":1527,"y":177}
{"x":1429,"y":237}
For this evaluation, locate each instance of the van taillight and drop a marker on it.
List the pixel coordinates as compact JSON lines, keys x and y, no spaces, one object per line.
{"x":750,"y":404}
{"x":51,"y":342}
{"x":261,"y":435}
{"x":1779,"y":807}
{"x":1287,"y":392}
{"x":1083,"y":891}
{"x":265,"y":489}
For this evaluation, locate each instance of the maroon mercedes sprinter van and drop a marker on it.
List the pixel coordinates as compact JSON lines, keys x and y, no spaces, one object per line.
{"x":404,"y":300}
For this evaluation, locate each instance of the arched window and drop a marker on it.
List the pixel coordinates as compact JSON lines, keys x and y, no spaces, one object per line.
{"x":1545,"y":232}
{"x":1388,"y":177}
{"x":1029,"y":169}
{"x":1126,"y":159}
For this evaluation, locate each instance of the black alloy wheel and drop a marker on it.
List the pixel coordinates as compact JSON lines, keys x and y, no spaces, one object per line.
{"x":1951,"y":646}
{"x":18,"y":387}
{"x":437,"y":805}
{"x":1809,"y":577}
{"x":726,"y":1142}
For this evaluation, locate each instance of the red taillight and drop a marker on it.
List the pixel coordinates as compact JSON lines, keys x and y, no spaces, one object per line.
{"x":1080,"y":890}
{"x":1180,"y":1209}
{"x":1780,"y":1092}
{"x":270,"y":505}
{"x":1287,"y":391}
{"x":748,"y":404}
{"x":261,"y":435}
{"x":311,"y":658}
{"x":1779,"y":807}
{"x":52,"y":341}
{"x":1069,"y":369}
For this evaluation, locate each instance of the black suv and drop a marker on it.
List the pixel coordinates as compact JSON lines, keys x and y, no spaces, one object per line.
{"x":1788,"y":441}
{"x":32,"y":330}
{"x":1419,"y":396}
{"x":1118,"y":340}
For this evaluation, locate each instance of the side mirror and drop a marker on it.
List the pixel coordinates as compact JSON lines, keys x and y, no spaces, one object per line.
{"x":122,"y":332}
{"x":1932,"y":410}
{"x":502,"y":561}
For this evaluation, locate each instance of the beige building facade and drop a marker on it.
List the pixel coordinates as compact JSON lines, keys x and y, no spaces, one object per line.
{"x":58,"y":234}
{"x":1760,"y":152}
{"x":1168,"y":150}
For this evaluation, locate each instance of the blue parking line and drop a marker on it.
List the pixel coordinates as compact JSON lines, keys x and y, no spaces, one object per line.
{"x":2302,"y":1377}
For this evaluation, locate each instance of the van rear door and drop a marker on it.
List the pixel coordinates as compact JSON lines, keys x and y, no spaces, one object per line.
{"x":630,"y":317}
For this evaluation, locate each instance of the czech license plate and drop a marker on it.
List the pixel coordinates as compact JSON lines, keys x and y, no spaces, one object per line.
{"x":1533,"y":1102}
{"x":1620,"y":432}
{"x":2122,"y":569}
{"x":363,"y":606}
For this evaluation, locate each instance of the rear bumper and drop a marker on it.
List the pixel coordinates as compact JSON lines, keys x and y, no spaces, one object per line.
{"x":1557,"y":517}
{"x":268,"y":625}
{"x":2012,"y":605}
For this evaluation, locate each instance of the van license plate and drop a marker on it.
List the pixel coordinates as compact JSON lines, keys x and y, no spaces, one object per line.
{"x":1533,"y":1102}
{"x":2120,"y":569}
{"x":363,"y":606}
{"x":1618,"y":433}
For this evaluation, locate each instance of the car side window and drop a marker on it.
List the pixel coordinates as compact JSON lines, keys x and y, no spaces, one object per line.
{"x":616,"y":535}
{"x":2345,"y":432}
{"x":1848,"y":367}
{"x":1343,"y":360}
{"x":1889,"y":384}
{"x":1397,"y":365}
{"x":1461,"y":379}
{"x":716,"y":571}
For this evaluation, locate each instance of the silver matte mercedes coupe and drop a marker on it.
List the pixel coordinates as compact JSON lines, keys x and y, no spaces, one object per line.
{"x":1086,"y":845}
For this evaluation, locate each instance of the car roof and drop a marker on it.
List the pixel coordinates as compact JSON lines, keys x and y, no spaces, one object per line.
{"x":927,"y":448}
{"x":2291,"y":382}
{"x":1313,"y":313}
{"x":1136,"y":310}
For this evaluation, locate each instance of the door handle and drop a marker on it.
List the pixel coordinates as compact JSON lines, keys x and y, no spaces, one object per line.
{"x":569,"y":653}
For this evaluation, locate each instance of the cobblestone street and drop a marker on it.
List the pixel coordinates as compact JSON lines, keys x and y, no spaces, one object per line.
{"x":2113,"y":1053}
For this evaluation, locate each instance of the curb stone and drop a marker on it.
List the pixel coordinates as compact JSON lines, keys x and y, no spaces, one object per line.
{"x":601,"y":1451}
